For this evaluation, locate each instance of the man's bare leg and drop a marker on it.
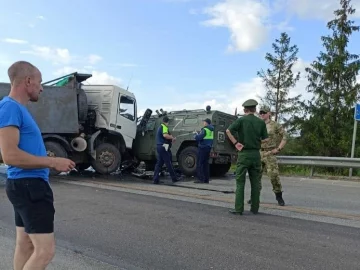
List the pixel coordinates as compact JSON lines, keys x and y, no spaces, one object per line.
{"x":44,"y":251}
{"x":23,"y":249}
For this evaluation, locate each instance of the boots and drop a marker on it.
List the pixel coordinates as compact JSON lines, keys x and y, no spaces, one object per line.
{"x":280,"y":199}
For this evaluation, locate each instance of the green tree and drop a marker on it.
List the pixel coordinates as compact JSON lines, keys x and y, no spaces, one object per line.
{"x":279,"y":79}
{"x":332,"y":81}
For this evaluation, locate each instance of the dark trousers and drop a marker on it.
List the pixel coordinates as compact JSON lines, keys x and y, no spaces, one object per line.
{"x":203,"y":168}
{"x":163,"y":156}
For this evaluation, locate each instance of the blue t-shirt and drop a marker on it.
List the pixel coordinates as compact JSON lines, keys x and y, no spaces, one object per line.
{"x":15,"y":114}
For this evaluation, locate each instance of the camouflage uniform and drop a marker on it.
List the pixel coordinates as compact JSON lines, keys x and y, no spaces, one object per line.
{"x":276,"y":134}
{"x":269,"y":161}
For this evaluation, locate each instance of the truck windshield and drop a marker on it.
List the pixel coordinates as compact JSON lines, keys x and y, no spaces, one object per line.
{"x":127,"y":108}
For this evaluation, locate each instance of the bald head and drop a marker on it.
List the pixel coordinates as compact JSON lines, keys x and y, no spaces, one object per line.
{"x":25,"y":81}
{"x":19,"y":71}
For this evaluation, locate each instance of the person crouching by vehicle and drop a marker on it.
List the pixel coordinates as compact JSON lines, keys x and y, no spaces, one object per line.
{"x":163,"y":143}
{"x":205,"y":141}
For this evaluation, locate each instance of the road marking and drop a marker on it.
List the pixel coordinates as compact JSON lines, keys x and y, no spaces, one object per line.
{"x":302,"y":210}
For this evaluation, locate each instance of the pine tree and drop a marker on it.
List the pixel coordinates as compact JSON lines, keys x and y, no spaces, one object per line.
{"x":279,"y":79}
{"x":332,"y":81}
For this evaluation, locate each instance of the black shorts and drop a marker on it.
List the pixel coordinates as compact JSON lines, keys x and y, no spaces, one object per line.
{"x":33,"y":202}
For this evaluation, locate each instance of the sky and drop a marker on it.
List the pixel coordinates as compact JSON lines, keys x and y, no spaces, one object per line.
{"x":172,"y":54}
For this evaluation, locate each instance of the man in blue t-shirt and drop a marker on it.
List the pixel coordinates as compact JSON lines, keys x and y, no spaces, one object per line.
{"x":27,"y":186}
{"x":163,"y":145}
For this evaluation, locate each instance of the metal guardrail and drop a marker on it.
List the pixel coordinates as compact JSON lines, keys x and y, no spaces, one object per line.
{"x":319,"y":161}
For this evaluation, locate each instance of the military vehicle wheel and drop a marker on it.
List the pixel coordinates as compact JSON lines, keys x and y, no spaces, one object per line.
{"x":55,"y":149}
{"x":108,"y":159}
{"x":219,"y":169}
{"x":188,"y":160}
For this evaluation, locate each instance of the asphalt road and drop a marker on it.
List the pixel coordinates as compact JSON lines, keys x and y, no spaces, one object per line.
{"x":134,"y":231}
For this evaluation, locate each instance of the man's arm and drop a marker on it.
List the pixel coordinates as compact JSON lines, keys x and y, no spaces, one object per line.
{"x":264,"y":133}
{"x":284,"y":137}
{"x":231,"y":137}
{"x":200,"y":136}
{"x":12,"y":155}
{"x":230,"y":130}
{"x":165,"y":133}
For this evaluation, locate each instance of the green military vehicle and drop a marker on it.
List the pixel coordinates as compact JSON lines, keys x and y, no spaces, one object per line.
{"x":184,"y":151}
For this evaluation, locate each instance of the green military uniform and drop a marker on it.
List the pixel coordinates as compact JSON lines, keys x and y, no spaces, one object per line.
{"x":269,"y":161}
{"x":248,"y":130}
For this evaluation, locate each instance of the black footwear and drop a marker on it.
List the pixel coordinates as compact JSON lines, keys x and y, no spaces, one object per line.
{"x":158,"y":182}
{"x":177,"y":179}
{"x":280,"y":199}
{"x":254,"y":211}
{"x":234,"y":212}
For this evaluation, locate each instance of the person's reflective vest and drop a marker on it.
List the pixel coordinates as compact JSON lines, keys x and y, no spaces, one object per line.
{"x":209,"y":135}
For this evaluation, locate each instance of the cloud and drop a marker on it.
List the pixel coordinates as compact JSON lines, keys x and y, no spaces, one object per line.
{"x":14,"y":41}
{"x":98,"y":77}
{"x":250,"y":21}
{"x":320,"y":9}
{"x":55,"y":55}
{"x":228,"y":100}
{"x":40,"y":17}
{"x":93,"y":59}
{"x":103,"y":78}
{"x":247,"y":21}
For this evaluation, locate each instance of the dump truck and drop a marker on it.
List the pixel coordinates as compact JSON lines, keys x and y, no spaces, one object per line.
{"x":93,"y":125}
{"x":182,"y":125}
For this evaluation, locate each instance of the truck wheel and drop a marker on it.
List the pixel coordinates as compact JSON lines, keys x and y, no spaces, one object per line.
{"x":218,"y":170}
{"x":55,"y":149}
{"x":188,"y":160}
{"x":108,"y":159}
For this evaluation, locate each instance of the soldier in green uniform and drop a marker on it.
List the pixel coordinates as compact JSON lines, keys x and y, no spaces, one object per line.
{"x":247,"y":133}
{"x":269,"y":149}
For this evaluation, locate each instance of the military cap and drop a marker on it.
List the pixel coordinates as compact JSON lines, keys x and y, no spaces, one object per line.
{"x":265,"y":108}
{"x":250,"y":103}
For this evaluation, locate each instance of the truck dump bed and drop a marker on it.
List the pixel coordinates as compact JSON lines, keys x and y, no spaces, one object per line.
{"x":56,"y":110}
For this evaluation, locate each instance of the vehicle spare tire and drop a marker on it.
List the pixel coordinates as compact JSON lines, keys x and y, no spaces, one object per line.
{"x":82,"y":105}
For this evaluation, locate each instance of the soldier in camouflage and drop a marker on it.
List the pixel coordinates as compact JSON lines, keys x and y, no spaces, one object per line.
{"x":269,"y":149}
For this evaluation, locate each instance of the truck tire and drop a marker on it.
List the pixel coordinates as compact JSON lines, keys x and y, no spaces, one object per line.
{"x":82,"y":105}
{"x":188,"y":160}
{"x":218,"y":170}
{"x":108,"y":159}
{"x":55,"y":149}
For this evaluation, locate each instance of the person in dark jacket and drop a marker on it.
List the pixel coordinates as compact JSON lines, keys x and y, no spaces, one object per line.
{"x":205,"y":141}
{"x":163,"y":144}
